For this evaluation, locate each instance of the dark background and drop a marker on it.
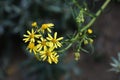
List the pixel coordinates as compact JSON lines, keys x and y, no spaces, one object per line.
{"x":16,"y":63}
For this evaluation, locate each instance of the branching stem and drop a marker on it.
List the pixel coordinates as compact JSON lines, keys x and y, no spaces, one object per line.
{"x":74,"y":39}
{"x":97,"y":14}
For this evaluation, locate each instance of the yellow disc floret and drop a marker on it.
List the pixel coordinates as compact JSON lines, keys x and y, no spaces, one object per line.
{"x":90,"y":31}
{"x":32,"y":48}
{"x":31,"y":36}
{"x":42,"y":43}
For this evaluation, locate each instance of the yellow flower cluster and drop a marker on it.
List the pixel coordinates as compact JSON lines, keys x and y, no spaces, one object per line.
{"x":42,"y":43}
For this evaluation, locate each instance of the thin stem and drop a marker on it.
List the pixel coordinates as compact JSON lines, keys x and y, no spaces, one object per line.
{"x":91,"y":15}
{"x":97,"y":14}
{"x":87,"y":26}
{"x":70,"y":44}
{"x":65,"y":48}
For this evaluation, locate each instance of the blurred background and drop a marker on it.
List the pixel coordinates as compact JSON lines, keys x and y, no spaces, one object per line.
{"x":16,"y":63}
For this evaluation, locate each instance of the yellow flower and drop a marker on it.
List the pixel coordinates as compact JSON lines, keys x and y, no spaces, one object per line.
{"x":54,"y":41}
{"x":49,"y":55}
{"x":34,"y":24}
{"x":32,"y":48}
{"x":42,"y":44}
{"x":31,"y":36}
{"x":90,"y":31}
{"x":46,"y":27}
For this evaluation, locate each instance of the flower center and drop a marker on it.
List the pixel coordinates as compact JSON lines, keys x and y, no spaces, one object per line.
{"x":44,"y":26}
{"x":54,"y":40}
{"x":48,"y":53}
{"x":31,"y":45}
{"x":32,"y":35}
{"x":43,"y":43}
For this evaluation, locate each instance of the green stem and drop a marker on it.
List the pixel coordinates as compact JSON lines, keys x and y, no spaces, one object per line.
{"x":65,"y":48}
{"x":70,"y":44}
{"x":87,"y":26}
{"x":97,"y":14}
{"x":91,"y":15}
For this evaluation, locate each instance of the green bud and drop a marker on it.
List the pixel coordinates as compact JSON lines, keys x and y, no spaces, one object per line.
{"x":80,"y":33}
{"x":91,"y":40}
{"x":85,"y":9}
{"x":80,"y":17}
{"x":85,"y":42}
{"x":77,"y":56}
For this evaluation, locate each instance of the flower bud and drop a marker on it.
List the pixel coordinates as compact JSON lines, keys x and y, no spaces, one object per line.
{"x":85,"y":42}
{"x":91,"y":40}
{"x":34,"y":24}
{"x":90,"y":31}
{"x":77,"y":56}
{"x":80,"y":33}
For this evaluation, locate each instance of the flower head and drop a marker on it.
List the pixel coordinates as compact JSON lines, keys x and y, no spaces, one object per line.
{"x":90,"y":31}
{"x":42,"y":43}
{"x":34,"y":24}
{"x":46,"y":27}
{"x":54,"y":41}
{"x":31,"y":36}
{"x":49,"y":55}
{"x":32,"y":48}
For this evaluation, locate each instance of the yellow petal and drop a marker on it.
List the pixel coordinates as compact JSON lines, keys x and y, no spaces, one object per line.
{"x":50,"y":24}
{"x":28,"y":32}
{"x":37,"y":36}
{"x":32,"y":31}
{"x":50,"y":44}
{"x":50,"y":36}
{"x":32,"y":40}
{"x":59,"y":44}
{"x":45,"y":49}
{"x":26,"y":35}
{"x":41,"y":38}
{"x":60,"y":38}
{"x":55,"y":35}
{"x":51,"y":49}
{"x":34,"y":51}
{"x":26,"y":39}
{"x":49,"y":60}
{"x":49,"y":30}
{"x":55,"y":45}
{"x":44,"y":58}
